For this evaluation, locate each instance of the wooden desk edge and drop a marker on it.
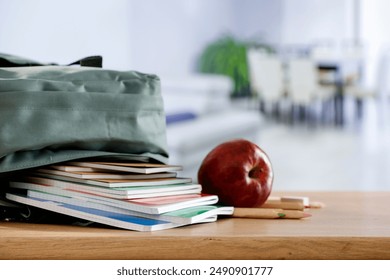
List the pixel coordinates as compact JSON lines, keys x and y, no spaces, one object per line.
{"x":199,"y":248}
{"x":56,"y":242}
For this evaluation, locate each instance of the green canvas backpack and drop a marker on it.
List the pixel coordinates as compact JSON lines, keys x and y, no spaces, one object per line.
{"x":52,"y":113}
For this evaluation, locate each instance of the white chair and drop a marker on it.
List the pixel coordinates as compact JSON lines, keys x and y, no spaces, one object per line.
{"x":354,"y":89}
{"x":304,"y":88}
{"x":359,"y":94}
{"x":267,"y":78}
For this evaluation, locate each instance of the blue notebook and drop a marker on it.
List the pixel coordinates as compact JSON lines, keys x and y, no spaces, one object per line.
{"x":188,"y":215}
{"x":110,"y":218}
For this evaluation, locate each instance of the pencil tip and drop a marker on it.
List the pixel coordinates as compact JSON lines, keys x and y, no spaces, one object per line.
{"x":305,"y":215}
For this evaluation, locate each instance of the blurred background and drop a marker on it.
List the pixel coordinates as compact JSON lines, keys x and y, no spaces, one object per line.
{"x":307,"y":80}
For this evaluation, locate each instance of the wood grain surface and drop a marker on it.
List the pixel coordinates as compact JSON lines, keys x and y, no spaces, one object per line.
{"x":353,"y":225}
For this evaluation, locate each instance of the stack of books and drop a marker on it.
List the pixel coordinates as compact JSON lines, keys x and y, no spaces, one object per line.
{"x":129,"y":195}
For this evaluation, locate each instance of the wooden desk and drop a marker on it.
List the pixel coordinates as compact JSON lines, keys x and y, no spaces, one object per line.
{"x":351,"y":226}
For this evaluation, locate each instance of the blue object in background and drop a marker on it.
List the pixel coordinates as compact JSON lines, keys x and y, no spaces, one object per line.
{"x":180,"y":117}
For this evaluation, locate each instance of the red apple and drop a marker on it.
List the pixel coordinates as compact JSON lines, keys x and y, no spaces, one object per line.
{"x":239,"y":172}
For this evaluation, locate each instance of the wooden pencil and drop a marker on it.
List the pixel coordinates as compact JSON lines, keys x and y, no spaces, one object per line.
{"x":257,"y":213}
{"x":273,"y":200}
{"x":316,"y":204}
{"x":268,"y":213}
{"x":303,"y":199}
{"x":295,"y":214}
{"x":300,"y":199}
{"x":283,"y":205}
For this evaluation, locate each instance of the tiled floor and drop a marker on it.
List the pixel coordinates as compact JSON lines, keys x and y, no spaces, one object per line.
{"x":353,"y":157}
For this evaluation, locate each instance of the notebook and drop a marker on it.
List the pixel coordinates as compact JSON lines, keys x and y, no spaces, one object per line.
{"x":105,"y":175}
{"x":144,"y":168}
{"x":115,"y":183}
{"x":188,"y":215}
{"x":150,"y":205}
{"x":60,"y":187}
{"x":100,"y":216}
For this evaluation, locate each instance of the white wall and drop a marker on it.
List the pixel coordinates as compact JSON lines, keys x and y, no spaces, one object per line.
{"x":162,"y":37}
{"x":64,"y":31}
{"x":258,"y":19}
{"x":166,"y":37}
{"x":169,"y":35}
{"x":316,"y":21}
{"x":375,"y":22}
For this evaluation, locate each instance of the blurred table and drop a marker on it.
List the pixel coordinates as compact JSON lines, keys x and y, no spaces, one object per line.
{"x":353,"y":225}
{"x":333,"y":76}
{"x":341,"y":72}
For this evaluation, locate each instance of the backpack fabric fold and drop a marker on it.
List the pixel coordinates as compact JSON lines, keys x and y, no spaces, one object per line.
{"x":51,"y":114}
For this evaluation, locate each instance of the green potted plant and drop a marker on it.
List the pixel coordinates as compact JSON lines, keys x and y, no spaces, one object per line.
{"x":227,"y":56}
